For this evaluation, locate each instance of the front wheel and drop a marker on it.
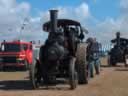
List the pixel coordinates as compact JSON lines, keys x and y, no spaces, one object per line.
{"x":112,"y":61}
{"x":73,"y":78}
{"x":35,"y":76}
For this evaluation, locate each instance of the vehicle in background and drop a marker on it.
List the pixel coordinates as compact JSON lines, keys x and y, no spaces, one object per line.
{"x":119,"y":52}
{"x":16,"y":54}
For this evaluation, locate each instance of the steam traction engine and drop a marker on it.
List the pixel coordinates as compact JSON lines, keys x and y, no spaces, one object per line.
{"x":119,"y":52}
{"x":62,"y":56}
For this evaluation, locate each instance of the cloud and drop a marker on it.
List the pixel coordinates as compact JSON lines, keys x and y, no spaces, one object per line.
{"x":12,"y":15}
{"x":80,"y":12}
{"x":124,"y":5}
{"x":105,"y":30}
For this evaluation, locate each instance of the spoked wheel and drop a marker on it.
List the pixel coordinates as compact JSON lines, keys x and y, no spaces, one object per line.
{"x":81,"y":64}
{"x":35,"y":76}
{"x":73,"y":77}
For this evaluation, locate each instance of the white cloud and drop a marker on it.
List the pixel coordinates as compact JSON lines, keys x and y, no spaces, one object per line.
{"x":124,"y":4}
{"x":36,"y":19}
{"x":12,"y":15}
{"x":80,"y":12}
{"x":8,"y":13}
{"x":105,"y":30}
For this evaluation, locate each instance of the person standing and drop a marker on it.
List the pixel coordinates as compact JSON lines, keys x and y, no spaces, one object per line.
{"x":96,"y":56}
{"x":93,"y":56}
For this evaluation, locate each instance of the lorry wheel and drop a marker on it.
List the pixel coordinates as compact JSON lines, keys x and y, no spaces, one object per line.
{"x":81,"y":64}
{"x":73,"y":79}
{"x":5,"y":68}
{"x":35,"y":77}
{"x":1,"y":68}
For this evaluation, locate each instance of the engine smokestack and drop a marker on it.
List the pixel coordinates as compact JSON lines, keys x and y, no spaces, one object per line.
{"x":118,"y":38}
{"x":53,"y":20}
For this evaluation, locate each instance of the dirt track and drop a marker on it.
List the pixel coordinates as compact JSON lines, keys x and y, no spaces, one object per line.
{"x":111,"y":82}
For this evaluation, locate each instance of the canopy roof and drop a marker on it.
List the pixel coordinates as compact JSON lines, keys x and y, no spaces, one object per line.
{"x":61,"y":22}
{"x":123,"y":41}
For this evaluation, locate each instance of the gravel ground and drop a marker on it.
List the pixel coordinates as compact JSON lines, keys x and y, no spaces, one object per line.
{"x":111,"y":82}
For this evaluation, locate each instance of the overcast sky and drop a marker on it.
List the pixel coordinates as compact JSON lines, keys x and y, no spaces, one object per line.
{"x":103,"y":18}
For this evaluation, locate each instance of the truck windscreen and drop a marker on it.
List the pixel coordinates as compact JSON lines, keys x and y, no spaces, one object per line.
{"x":12,"y":47}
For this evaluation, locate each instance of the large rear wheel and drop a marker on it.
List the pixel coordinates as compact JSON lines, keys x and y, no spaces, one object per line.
{"x":81,"y":64}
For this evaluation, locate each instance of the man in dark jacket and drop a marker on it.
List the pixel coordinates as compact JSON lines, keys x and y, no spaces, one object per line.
{"x":93,"y":56}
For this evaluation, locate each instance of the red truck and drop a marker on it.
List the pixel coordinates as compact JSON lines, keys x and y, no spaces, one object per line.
{"x":16,"y":53}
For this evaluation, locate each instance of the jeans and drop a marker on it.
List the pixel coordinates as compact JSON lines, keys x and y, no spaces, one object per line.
{"x":94,"y":64}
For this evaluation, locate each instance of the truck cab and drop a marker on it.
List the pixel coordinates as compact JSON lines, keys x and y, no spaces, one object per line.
{"x":16,"y":53}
